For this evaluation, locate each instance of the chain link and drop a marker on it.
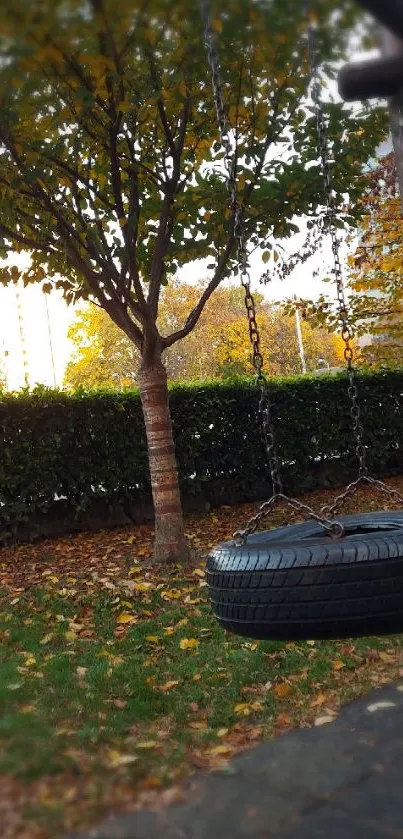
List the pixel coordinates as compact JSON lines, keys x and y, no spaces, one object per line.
{"x":333,"y":528}
{"x":330,"y":225}
{"x":238,"y":213}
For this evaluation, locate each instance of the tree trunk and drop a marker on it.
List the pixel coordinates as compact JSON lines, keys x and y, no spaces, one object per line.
{"x":170,"y":542}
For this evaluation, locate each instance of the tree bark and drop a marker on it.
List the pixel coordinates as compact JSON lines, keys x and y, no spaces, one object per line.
{"x":170,"y":541}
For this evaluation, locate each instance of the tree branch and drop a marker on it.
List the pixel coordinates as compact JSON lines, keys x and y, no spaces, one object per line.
{"x":197,"y":311}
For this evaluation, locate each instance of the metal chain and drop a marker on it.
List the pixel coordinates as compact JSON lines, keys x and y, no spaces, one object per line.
{"x":333,"y":528}
{"x":352,"y":488}
{"x":346,"y":330}
{"x":330,"y":224}
{"x":238,"y":212}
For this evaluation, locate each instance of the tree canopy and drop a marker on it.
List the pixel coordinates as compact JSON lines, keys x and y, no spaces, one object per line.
{"x":111,"y":167}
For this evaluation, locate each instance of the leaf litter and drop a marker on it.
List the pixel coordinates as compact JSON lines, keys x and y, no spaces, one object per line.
{"x":158,"y":687}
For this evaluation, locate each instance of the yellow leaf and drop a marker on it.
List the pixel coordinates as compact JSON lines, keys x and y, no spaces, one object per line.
{"x":199,"y":573}
{"x":188,"y":643}
{"x":116,"y":758}
{"x":242,"y":708}
{"x":147,"y":744}
{"x":46,"y":638}
{"x":125,"y":618}
{"x":70,"y":635}
{"x":153,"y":639}
{"x":320,"y":699}
{"x":169,"y":630}
{"x":171,"y":594}
{"x":338,"y":665}
{"x":387,"y":658}
{"x":222,"y":732}
{"x":30,"y":661}
{"x":222,"y":749}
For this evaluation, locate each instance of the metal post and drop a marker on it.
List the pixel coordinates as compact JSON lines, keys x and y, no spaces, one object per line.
{"x":20,"y":315}
{"x":52,"y":357}
{"x":300,"y":341}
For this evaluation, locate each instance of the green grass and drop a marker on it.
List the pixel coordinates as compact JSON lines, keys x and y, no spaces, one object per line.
{"x":94,"y":707}
{"x":89,"y":722}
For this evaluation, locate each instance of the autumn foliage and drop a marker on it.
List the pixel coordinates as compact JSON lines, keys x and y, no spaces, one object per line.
{"x":218,"y":347}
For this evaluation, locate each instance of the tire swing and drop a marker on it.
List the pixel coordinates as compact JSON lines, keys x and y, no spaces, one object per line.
{"x":327,"y":577}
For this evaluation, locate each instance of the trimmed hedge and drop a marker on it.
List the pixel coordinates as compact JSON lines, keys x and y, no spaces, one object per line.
{"x":73,"y":461}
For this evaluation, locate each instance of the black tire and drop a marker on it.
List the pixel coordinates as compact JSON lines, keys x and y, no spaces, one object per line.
{"x":296,"y":583}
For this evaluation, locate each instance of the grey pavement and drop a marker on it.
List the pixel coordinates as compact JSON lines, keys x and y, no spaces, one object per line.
{"x":340,"y":781}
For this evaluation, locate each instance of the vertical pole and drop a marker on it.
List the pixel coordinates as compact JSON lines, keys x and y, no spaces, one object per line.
{"x":20,"y":315}
{"x":392,"y":46}
{"x":300,"y":341}
{"x":52,"y":358}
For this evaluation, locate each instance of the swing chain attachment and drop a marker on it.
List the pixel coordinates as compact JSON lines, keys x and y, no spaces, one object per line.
{"x":347,"y":333}
{"x":238,"y":214}
{"x":333,"y":528}
{"x":330,"y":224}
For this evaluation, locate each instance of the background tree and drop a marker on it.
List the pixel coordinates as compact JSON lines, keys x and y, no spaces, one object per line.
{"x":377,"y":269}
{"x":375,"y":280}
{"x":103,"y":355}
{"x":279,"y":346}
{"x":218,"y":347}
{"x":112,"y":174}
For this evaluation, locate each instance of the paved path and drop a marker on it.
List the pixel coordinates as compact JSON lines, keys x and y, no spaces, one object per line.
{"x":340,"y":781}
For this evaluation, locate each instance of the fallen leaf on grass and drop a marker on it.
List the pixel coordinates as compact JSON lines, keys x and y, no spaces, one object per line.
{"x":171,"y":594}
{"x":153,"y":639}
{"x":246,"y":708}
{"x":188,"y":643}
{"x":169,"y":685}
{"x":319,"y":699}
{"x":116,"y":758}
{"x":283,"y":721}
{"x":387,"y":658}
{"x":338,"y":664}
{"x":118,"y":703}
{"x":282,"y":690}
{"x":222,"y":749}
{"x":125,"y":617}
{"x":222,"y":732}
{"x":46,"y":638}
